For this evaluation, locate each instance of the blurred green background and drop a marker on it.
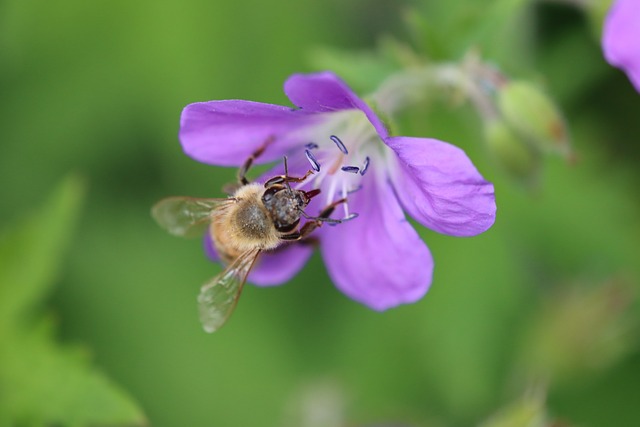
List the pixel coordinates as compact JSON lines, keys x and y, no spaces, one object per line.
{"x":545,"y":300}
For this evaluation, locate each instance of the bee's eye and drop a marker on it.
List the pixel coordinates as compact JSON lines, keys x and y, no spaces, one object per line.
{"x":269,"y":193}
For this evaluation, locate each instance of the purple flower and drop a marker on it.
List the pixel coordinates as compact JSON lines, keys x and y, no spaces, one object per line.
{"x":377,"y":258}
{"x":621,"y":38}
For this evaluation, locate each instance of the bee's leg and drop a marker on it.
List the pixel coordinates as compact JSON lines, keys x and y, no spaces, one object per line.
{"x":286,"y":179}
{"x":282,"y":179}
{"x":315,"y":222}
{"x":242,"y":172}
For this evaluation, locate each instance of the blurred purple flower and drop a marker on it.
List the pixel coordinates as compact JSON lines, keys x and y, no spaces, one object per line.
{"x":377,"y":258}
{"x":621,"y":38}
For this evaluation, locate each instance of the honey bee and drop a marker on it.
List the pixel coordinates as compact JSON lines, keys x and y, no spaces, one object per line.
{"x":255,"y":218}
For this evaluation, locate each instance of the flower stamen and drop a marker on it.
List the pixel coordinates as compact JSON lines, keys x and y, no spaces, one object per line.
{"x":312,"y":159}
{"x":339,"y":143}
{"x":350,"y":169}
{"x":353,"y":190}
{"x":344,"y":197}
{"x":365,"y":167}
{"x":349,"y":158}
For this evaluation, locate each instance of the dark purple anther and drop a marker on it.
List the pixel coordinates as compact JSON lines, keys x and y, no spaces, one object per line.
{"x":365,"y":167}
{"x":311,"y":146}
{"x":350,"y":169}
{"x":314,"y":163}
{"x":339,"y":144}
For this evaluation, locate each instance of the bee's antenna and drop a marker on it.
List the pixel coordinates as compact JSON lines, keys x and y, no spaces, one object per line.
{"x":286,"y":175}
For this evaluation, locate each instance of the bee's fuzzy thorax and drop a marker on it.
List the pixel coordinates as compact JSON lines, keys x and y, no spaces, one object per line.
{"x":244,"y":225}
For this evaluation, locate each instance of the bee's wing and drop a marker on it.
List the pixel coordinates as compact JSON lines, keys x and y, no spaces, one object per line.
{"x":218,"y":298}
{"x":184,"y":216}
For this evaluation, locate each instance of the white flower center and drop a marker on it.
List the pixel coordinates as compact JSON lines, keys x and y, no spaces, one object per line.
{"x":341,"y":150}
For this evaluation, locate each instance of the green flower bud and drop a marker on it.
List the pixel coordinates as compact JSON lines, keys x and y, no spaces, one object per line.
{"x":534,"y":117}
{"x":516,"y":157}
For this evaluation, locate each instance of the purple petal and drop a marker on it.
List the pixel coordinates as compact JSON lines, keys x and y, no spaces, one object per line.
{"x":280,"y":265}
{"x":226,"y":133}
{"x":377,"y":258}
{"x":272,"y":267}
{"x":440,"y":188}
{"x":210,"y":250}
{"x":621,"y":38}
{"x":325,"y":92}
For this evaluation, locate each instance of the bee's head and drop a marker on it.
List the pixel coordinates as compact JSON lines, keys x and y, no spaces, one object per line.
{"x":286,"y":205}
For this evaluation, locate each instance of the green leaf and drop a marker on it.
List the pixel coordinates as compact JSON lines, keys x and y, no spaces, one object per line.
{"x":31,"y":253}
{"x":41,"y":382}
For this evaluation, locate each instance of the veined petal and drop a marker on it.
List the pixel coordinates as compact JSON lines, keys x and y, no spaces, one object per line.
{"x":621,"y":38}
{"x":440,"y":188}
{"x":378,"y":258}
{"x":272,"y":267}
{"x":226,"y":133}
{"x":326,"y":92}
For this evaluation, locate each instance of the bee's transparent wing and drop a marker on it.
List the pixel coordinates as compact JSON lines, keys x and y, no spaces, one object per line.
{"x":186,"y":216}
{"x":218,"y":298}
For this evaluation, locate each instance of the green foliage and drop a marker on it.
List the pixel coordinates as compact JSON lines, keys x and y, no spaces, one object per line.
{"x":363,"y":70}
{"x":529,"y":411}
{"x":41,"y":382}
{"x":501,"y":29}
{"x":98,"y":87}
{"x":579,"y":328}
